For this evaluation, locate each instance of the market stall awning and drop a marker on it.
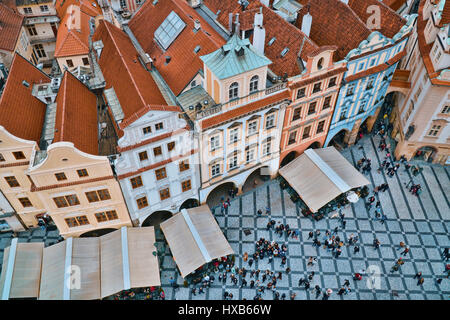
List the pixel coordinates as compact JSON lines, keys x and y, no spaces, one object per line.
{"x":81,"y":268}
{"x":194,"y":238}
{"x":21,"y":270}
{"x":320,"y":175}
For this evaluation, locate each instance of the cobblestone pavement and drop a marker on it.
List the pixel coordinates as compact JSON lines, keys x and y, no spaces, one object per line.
{"x":423,"y":223}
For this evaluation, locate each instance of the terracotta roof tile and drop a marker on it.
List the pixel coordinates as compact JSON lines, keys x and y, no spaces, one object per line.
{"x":390,"y":21}
{"x":245,"y":109}
{"x":89,"y":7}
{"x":21,"y":113}
{"x":334,"y":23}
{"x":394,"y":4}
{"x":134,"y":86}
{"x":445,"y":18}
{"x":286,"y":35}
{"x":10,"y":26}
{"x":184,"y":63}
{"x":71,"y":41}
{"x":76,"y":115}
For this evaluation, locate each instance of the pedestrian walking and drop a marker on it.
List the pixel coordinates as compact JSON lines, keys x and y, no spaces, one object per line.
{"x":405,"y":252}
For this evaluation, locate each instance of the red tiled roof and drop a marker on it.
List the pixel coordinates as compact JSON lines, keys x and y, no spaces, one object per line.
{"x":425,"y":49}
{"x":286,"y":35}
{"x":71,"y":41}
{"x":245,"y":109}
{"x":10,"y":26}
{"x":10,"y":4}
{"x":394,"y":4}
{"x":76,"y":115}
{"x":86,"y":6}
{"x":390,"y":21}
{"x":445,"y":18}
{"x":334,"y":23}
{"x":133,"y":85}
{"x":21,"y":113}
{"x":185,"y":63}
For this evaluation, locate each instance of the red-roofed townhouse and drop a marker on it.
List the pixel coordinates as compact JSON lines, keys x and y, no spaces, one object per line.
{"x":158,"y":163}
{"x":421,"y":114}
{"x":41,"y":22}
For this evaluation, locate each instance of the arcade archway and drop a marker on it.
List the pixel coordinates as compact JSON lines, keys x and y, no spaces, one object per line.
{"x":156,"y":218}
{"x":189,"y":203}
{"x":97,"y":233}
{"x":426,"y":153}
{"x":338,"y":141}
{"x":218,"y":193}
{"x":288,"y":158}
{"x":256,"y":178}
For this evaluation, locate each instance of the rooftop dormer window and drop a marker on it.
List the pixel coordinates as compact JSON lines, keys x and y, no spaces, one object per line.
{"x":169,"y":29}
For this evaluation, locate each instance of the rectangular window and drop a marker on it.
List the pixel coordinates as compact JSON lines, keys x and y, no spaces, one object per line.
{"x":270,"y":121}
{"x":65,"y":201}
{"x":317,"y":87}
{"x":12,"y":181}
{"x":105,"y":216}
{"x":266,"y":148}
{"x":44,"y":8}
{"x":25,"y":202}
{"x":157,"y":151}
{"x":69,"y":63}
{"x":136,"y":182}
{"x":370,"y":83}
{"x":159,"y":126}
{"x":143,"y":156}
{"x":82,"y":220}
{"x":361,"y":66}
{"x":171,"y":146}
{"x":18,"y":155}
{"x":186,"y":185}
{"x":306,"y":132}
{"x":39,"y":48}
{"x":142,"y":202}
{"x":104,"y":194}
{"x":434,"y":130}
{"x":233,"y":161}
{"x":184,"y":165}
{"x":362,"y":107}
{"x":234,"y":135}
{"x":215,"y":143}
{"x":350,"y":90}
{"x":92,"y":196}
{"x":252,"y":127}
{"x":327,"y":103}
{"x":71,"y":222}
{"x":82,"y":173}
{"x":250,"y":156}
{"x":301,"y":93}
{"x":312,"y":108}
{"x":215,"y":169}
{"x":147,"y":130}
{"x":320,"y":126}
{"x":164,"y":194}
{"x":27,"y":10}
{"x":60,"y":176}
{"x":112,"y":215}
{"x":297,"y":114}
{"x":32,"y":30}
{"x":446,"y":109}
{"x":292,"y":137}
{"x":343,"y":113}
{"x":160,"y":173}
{"x":332,"y":82}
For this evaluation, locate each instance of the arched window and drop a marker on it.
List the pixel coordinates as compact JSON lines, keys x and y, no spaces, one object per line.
{"x":233,"y":91}
{"x":254,"y":84}
{"x":320,"y":64}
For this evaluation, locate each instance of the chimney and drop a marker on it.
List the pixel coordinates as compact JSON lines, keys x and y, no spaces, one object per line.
{"x":259,"y":33}
{"x":271,"y":4}
{"x":345,"y":1}
{"x":230,"y":22}
{"x":237,"y":26}
{"x":306,"y":23}
{"x":197,"y":25}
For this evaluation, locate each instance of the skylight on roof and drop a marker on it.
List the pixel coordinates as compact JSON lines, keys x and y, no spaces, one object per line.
{"x":271,"y":41}
{"x":197,"y":49}
{"x":169,"y":29}
{"x":284,"y":52}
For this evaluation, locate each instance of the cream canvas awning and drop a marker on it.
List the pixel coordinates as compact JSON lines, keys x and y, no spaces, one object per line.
{"x":81,"y":268}
{"x":195,"y":238}
{"x":21,"y":270}
{"x":320,"y":175}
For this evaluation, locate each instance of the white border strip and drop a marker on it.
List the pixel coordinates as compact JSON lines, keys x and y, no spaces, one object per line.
{"x":68,"y":269}
{"x":325,"y":168}
{"x":9,"y":269}
{"x":196,"y":236}
{"x":125,"y":259}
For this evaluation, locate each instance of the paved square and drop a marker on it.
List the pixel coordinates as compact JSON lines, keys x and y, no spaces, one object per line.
{"x":421,"y":222}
